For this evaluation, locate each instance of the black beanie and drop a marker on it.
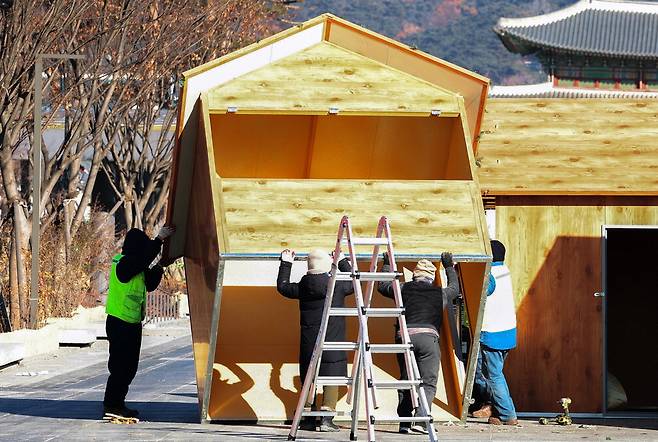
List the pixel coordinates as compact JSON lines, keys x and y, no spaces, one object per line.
{"x":498,"y":250}
{"x":135,"y":243}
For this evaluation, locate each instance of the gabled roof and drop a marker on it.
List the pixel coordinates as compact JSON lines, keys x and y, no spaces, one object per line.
{"x":593,"y":27}
{"x":327,"y":76}
{"x":348,"y":36}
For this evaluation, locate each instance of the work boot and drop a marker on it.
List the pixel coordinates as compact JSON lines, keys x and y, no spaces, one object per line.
{"x":484,"y":412}
{"x":327,"y":425}
{"x":419,"y":428}
{"x":405,"y":428}
{"x":498,"y":421}
{"x":308,"y":424}
{"x":122,"y":411}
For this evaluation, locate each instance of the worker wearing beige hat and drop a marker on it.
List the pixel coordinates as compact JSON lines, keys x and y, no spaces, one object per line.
{"x":423,"y":302}
{"x":311,"y":291}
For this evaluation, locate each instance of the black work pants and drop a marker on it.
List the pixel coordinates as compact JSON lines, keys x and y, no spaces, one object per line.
{"x":427,"y":353}
{"x":125,"y":343}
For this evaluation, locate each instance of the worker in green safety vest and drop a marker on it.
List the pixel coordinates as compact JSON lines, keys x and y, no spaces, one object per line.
{"x":131,"y":276}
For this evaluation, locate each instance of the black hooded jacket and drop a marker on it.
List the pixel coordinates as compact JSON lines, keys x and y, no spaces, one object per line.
{"x":311,"y":291}
{"x":423,"y":302}
{"x":138,"y":252}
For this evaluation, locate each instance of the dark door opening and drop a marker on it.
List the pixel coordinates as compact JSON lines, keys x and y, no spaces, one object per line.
{"x":631,"y":296}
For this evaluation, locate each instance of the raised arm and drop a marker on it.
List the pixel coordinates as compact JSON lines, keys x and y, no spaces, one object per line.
{"x":386,"y":287}
{"x":452,"y":290}
{"x":283,"y":284}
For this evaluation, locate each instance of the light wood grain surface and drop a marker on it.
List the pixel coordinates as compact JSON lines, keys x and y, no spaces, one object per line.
{"x":426,"y":216}
{"x":326,"y":76}
{"x":567,"y":146}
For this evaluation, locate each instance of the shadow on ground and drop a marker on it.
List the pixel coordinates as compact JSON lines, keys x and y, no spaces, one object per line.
{"x":93,"y":410}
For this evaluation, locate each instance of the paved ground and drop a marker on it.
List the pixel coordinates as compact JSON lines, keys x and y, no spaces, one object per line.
{"x":65,"y":404}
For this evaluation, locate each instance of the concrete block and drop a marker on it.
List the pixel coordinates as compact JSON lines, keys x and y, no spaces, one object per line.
{"x":84,"y":336}
{"x":11,"y":353}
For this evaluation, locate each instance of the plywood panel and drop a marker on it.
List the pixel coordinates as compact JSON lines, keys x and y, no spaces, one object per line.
{"x":201,"y":259}
{"x":272,"y":146}
{"x":427,"y":216}
{"x":384,"y":148}
{"x":639,"y":212}
{"x":566,"y":146}
{"x":305,"y":146}
{"x":553,"y":252}
{"x":256,"y":374}
{"x":325,"y":76}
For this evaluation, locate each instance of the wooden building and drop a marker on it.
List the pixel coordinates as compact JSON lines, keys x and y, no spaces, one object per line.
{"x":574,"y":183}
{"x":604,"y":44}
{"x":275,"y":143}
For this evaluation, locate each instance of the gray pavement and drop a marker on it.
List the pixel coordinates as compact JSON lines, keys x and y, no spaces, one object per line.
{"x":65,"y":404}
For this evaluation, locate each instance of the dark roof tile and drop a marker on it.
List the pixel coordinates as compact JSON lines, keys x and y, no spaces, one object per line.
{"x":598,"y":27}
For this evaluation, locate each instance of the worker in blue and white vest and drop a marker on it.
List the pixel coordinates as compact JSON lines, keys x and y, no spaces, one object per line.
{"x":498,"y":337}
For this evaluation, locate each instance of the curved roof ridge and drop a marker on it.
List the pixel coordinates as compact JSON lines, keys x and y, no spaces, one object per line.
{"x":547,"y":90}
{"x":582,"y":5}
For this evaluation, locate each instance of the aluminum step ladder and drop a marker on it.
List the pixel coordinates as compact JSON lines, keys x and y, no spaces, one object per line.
{"x":362,"y":367}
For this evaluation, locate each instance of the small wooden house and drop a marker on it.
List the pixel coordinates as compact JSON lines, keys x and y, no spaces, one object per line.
{"x":574,"y":183}
{"x":275,"y":143}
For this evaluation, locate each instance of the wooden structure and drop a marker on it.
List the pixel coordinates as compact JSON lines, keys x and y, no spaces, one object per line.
{"x":275,"y":143}
{"x":558,"y":170}
{"x":602,"y":44}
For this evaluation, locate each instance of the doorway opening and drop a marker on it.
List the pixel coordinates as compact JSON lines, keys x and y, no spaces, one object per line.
{"x":631,"y":334}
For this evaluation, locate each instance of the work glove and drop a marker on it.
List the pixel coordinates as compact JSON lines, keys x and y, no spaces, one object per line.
{"x":165,"y":232}
{"x":386,"y":259}
{"x":341,"y":256}
{"x":446,"y":260}
{"x":288,"y":256}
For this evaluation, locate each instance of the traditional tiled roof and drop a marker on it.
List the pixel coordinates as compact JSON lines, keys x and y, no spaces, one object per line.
{"x":594,"y":27}
{"x":547,"y":90}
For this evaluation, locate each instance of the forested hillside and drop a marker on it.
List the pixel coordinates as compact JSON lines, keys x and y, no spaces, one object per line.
{"x":459,"y":31}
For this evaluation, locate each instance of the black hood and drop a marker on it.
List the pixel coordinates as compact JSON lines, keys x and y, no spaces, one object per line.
{"x":498,"y":250}
{"x":135,"y":243}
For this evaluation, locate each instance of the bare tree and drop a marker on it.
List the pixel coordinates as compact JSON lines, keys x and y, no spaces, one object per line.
{"x":135,"y":51}
{"x":139,"y":162}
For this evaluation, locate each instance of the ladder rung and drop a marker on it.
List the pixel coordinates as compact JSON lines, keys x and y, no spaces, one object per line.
{"x":394,"y":419}
{"x":373,"y":312}
{"x":396,"y":384}
{"x":368,"y":241}
{"x":368,"y":276}
{"x":340,"y":346}
{"x":389,"y":348}
{"x":320,"y":413}
{"x":333,"y":380}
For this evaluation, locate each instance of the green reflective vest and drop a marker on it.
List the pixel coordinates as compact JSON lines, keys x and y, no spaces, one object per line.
{"x":125,"y":300}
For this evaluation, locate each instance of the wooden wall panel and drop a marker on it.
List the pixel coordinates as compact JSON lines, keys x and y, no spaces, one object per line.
{"x":266,"y":216}
{"x":622,"y":211}
{"x":256,"y":376}
{"x":201,"y":259}
{"x":391,"y":148}
{"x":569,"y":147}
{"x":344,"y":147}
{"x":553,"y":252}
{"x":261,"y":146}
